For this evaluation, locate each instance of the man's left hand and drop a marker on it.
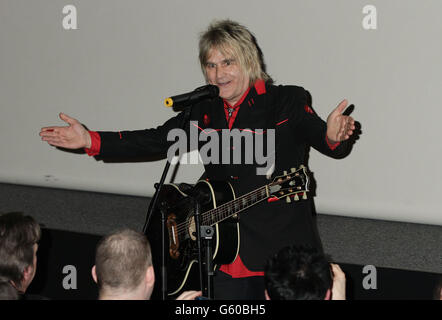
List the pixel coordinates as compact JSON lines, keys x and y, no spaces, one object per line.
{"x":339,"y":127}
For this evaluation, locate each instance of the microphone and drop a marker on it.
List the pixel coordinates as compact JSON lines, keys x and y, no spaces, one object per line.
{"x":185,"y":99}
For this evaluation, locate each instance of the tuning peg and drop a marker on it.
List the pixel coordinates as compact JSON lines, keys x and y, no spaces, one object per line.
{"x":285,"y":172}
{"x":288,"y":200}
{"x":296,"y":197}
{"x":293,"y":170}
{"x":304,"y":196}
{"x":268,"y":176}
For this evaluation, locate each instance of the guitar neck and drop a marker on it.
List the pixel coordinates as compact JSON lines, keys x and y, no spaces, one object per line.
{"x":233,"y":207}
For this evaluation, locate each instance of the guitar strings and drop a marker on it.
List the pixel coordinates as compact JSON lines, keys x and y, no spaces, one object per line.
{"x":236,"y":204}
{"x":222,"y":210}
{"x":226,"y":208}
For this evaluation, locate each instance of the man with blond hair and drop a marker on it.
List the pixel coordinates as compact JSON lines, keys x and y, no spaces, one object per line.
{"x":123,"y":268}
{"x":248,"y":101}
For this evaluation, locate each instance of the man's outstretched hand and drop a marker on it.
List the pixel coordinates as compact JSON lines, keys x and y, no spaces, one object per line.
{"x":73,"y":136}
{"x":339,"y":127}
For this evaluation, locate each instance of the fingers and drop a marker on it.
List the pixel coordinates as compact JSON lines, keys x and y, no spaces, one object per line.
{"x":51,"y":138}
{"x":189,"y":295}
{"x":347,"y":128}
{"x":54,"y":138}
{"x":53,"y":135}
{"x":340,"y":126}
{"x":66,"y":118}
{"x":47,"y":129}
{"x":54,"y":129}
{"x":341,"y":107}
{"x":348,"y":123}
{"x":49,"y":132}
{"x":336,"y":269}
{"x":351,"y":123}
{"x":55,"y":143}
{"x":339,"y":282}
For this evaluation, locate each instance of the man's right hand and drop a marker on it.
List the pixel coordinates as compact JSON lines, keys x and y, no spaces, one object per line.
{"x":73,"y":136}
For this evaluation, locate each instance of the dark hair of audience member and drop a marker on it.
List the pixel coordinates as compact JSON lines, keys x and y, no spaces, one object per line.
{"x":298,"y":273}
{"x":18,"y":234}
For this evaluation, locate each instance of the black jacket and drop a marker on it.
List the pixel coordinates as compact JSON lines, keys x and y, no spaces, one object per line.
{"x":266,"y":227}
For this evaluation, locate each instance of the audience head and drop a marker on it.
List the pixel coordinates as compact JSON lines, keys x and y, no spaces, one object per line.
{"x":7,"y":290}
{"x":123,"y":266}
{"x":19,"y":236}
{"x":298,"y":273}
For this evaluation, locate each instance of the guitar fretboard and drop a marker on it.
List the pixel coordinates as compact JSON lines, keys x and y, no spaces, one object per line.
{"x":294,"y":183}
{"x":230,"y":208}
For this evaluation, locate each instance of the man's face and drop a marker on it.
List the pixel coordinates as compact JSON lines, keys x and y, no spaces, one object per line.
{"x":225,"y":72}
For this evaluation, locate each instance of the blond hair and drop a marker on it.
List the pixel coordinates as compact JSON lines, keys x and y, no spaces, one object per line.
{"x":233,"y":40}
{"x":122,"y":259}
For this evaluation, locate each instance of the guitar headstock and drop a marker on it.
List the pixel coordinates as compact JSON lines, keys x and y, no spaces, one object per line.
{"x":293,"y":184}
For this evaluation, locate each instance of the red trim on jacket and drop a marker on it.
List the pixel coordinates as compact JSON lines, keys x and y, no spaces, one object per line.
{"x":330,"y":145}
{"x":95,"y":144}
{"x":308,"y":109}
{"x":279,"y":123}
{"x":260,"y":86}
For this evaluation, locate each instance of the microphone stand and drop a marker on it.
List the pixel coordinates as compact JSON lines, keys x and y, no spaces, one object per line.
{"x":198,"y":227}
{"x":207,"y":233}
{"x":158,"y":187}
{"x":204,"y":232}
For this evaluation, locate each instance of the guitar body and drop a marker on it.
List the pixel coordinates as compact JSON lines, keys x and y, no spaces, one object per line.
{"x":219,"y":207}
{"x":180,"y":238}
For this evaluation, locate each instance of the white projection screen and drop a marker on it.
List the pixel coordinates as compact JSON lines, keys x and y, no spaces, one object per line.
{"x":114,"y":71}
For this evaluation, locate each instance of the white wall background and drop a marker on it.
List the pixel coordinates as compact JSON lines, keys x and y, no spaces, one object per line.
{"x":114,"y":71}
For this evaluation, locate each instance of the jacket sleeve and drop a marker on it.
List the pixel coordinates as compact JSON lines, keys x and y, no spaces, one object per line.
{"x":147,"y":142}
{"x":308,"y":126}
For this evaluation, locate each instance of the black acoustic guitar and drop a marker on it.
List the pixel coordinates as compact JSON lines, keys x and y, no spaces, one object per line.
{"x":219,"y":208}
